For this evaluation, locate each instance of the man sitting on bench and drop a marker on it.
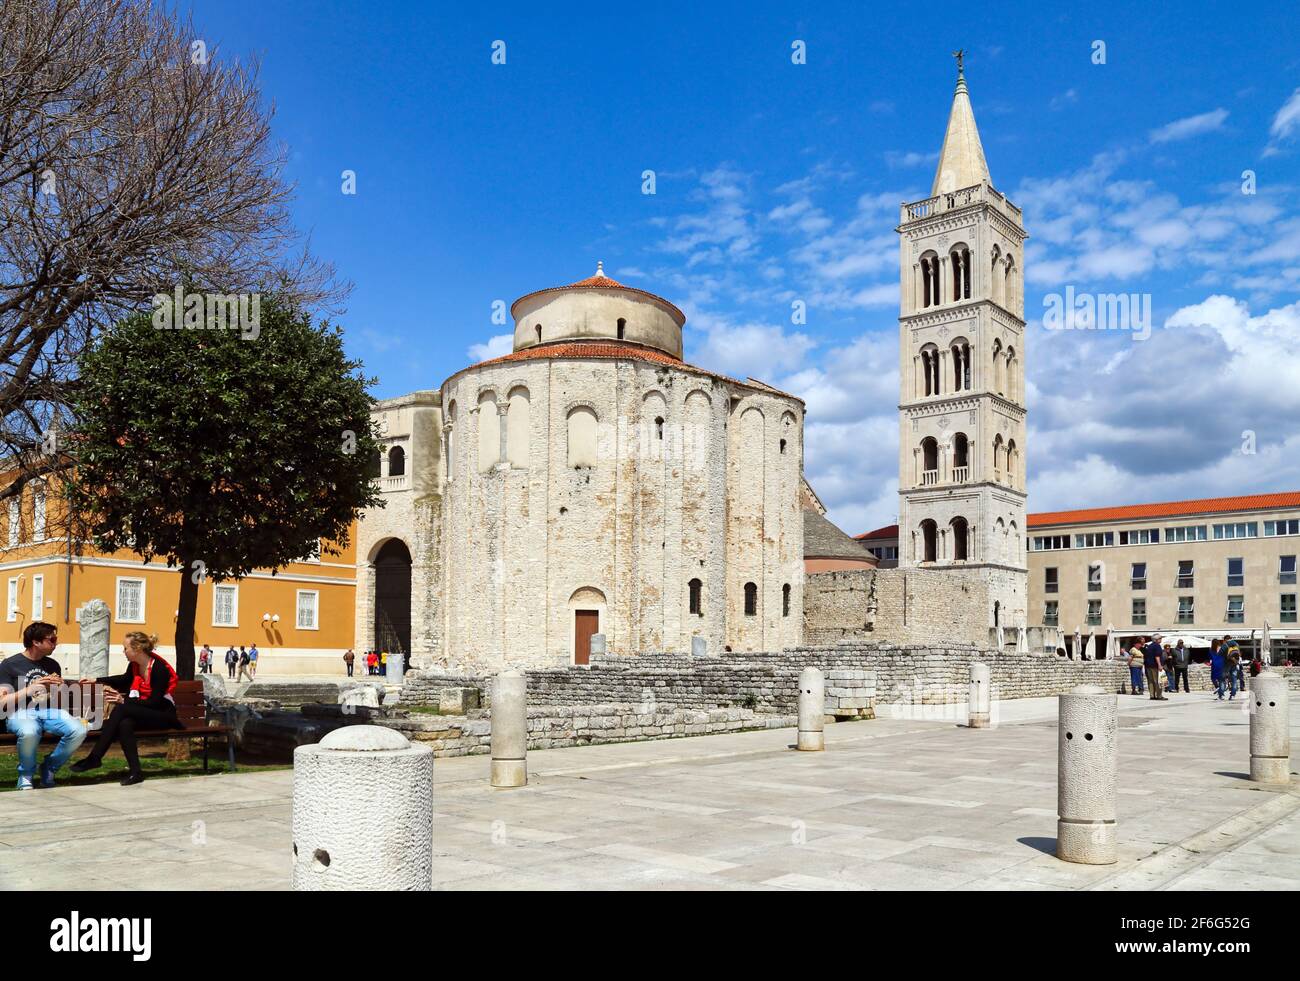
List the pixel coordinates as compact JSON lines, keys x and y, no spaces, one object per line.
{"x":143,"y":697}
{"x":26,"y":680}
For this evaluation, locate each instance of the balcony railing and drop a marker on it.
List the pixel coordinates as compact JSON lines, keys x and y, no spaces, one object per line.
{"x":960,"y":474}
{"x":929,"y":477}
{"x":951,"y":200}
{"x":399,"y":483}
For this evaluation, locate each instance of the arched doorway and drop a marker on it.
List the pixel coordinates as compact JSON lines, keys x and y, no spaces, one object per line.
{"x":393,"y":598}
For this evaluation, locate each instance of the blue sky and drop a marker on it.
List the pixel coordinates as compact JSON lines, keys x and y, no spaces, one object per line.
{"x":774,"y":182}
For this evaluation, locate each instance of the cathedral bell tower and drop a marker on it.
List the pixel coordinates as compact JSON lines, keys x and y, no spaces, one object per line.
{"x":961,"y":474}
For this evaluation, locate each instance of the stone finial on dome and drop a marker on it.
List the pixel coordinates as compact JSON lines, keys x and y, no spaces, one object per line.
{"x":600,"y":269}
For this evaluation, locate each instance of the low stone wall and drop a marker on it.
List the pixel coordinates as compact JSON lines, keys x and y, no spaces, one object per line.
{"x":552,"y":727}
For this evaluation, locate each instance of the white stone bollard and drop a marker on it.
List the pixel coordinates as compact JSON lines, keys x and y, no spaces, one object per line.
{"x":510,"y":730}
{"x":981,"y":696}
{"x":1270,"y":728}
{"x":393,"y":669}
{"x":699,"y":647}
{"x":363,"y":812}
{"x":1087,"y":723}
{"x":597,"y":644}
{"x":812,"y":710}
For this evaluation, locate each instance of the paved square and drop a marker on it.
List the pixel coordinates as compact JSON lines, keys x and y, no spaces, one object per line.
{"x":895,"y":803}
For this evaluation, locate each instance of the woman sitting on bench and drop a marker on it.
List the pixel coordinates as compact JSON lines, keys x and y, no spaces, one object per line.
{"x":142,"y":698}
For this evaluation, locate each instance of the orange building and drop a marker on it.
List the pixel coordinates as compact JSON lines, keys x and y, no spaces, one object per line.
{"x":301,"y":618}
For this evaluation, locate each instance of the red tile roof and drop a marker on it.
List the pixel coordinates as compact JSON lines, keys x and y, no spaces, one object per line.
{"x":1169,"y":509}
{"x":889,"y":531}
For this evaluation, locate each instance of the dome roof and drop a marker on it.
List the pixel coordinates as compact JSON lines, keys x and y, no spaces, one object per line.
{"x":599,"y":281}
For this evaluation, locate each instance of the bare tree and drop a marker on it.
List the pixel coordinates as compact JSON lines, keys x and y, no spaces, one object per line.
{"x":131,"y":161}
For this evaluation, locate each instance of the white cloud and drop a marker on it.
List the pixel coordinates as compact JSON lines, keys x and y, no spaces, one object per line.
{"x":1286,"y":123}
{"x":1181,"y":129}
{"x":496,"y":346}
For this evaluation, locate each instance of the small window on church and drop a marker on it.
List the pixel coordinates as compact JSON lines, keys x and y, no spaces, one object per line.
{"x":751,"y":599}
{"x":659,"y":427}
{"x":622,"y":328}
{"x":538,"y":328}
{"x":782,"y":446}
{"x":697,"y":600}
{"x":785,"y":600}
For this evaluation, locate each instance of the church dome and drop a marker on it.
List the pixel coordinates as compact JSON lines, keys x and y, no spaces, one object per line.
{"x":597,"y":308}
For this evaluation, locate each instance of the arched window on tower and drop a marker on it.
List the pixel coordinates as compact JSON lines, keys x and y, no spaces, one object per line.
{"x":785,"y":600}
{"x":960,"y":458}
{"x":959,"y":259}
{"x":961,"y":367}
{"x":929,"y":461}
{"x":396,"y":462}
{"x":930,"y":280}
{"x":1011,"y":373}
{"x":997,"y":458}
{"x":930,"y":540}
{"x":538,"y":328}
{"x":751,"y":599}
{"x":960,"y":534}
{"x":622,"y":328}
{"x":1009,"y":283}
{"x":997,"y":366}
{"x":518,"y":428}
{"x":696,"y":589}
{"x":1013,"y":463}
{"x":582,"y":437}
{"x":995,"y":276}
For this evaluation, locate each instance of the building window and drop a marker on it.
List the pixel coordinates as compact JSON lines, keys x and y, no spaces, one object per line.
{"x":130,"y":600}
{"x":1286,"y":570}
{"x":930,"y":540}
{"x":538,"y":329}
{"x":785,"y":600}
{"x":518,"y":428}
{"x":1051,"y":614}
{"x":1236,"y":609}
{"x":225,"y":606}
{"x":696,"y":597}
{"x":1051,"y":580}
{"x":1047,"y":543}
{"x":38,"y":597}
{"x":1189,"y":533}
{"x":1140,"y":536}
{"x":622,"y":328}
{"x":1094,"y":577}
{"x":1288,"y":526}
{"x":38,"y":514}
{"x":1242,"y":529}
{"x":1288,"y":610}
{"x":1186,"y":573}
{"x":582,"y":437}
{"x":1139,"y":576}
{"x":308,"y":601}
{"x":1094,"y":613}
{"x":1139,"y":612}
{"x":783,"y":446}
{"x":1186,"y":609}
{"x":396,"y":462}
{"x":1236,"y":573}
{"x":659,"y":427}
{"x":1094,"y":539}
{"x":960,"y":537}
{"x":15,"y":520}
{"x":751,"y":599}
{"x":11,"y":611}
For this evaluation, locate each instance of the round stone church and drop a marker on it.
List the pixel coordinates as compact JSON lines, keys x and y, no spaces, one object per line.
{"x":589,"y":482}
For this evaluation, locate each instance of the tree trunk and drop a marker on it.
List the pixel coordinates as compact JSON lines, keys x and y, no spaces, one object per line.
{"x":187,"y":607}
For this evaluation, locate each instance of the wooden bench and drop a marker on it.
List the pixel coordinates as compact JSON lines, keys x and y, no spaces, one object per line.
{"x":191,"y":712}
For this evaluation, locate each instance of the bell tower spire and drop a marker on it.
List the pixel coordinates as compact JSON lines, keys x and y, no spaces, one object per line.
{"x":961,"y":161}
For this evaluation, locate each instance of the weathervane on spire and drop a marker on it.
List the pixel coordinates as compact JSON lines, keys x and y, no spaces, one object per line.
{"x":959,"y":54}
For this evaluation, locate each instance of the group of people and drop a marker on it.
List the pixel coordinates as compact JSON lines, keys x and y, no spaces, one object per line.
{"x":245,"y":659}
{"x":1149,"y":659}
{"x":143,"y":696}
{"x":375,"y":662}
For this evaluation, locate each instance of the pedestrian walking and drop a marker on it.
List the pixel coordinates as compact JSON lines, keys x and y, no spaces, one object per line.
{"x":232,"y":659}
{"x":252,"y":661}
{"x":243,"y":665}
{"x":1231,"y":665}
{"x":1182,"y":659}
{"x":1135,"y":665}
{"x":1151,"y":662}
{"x":348,"y":659}
{"x":1216,"y":667}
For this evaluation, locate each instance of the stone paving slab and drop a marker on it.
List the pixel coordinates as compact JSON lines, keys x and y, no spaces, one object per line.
{"x":895,"y":803}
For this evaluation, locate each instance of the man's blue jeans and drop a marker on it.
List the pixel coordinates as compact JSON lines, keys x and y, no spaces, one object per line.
{"x":1231,"y":677}
{"x":1135,"y":681}
{"x":29,"y":725}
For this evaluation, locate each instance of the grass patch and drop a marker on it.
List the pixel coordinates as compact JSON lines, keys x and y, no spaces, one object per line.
{"x":422,"y":709}
{"x":154,"y":764}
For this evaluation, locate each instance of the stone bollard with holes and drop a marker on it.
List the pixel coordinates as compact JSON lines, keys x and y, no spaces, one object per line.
{"x":1086,"y":773}
{"x":363,"y":812}
{"x":699,"y":647}
{"x":812,"y":711}
{"x":1270,"y":728}
{"x":597,"y":644}
{"x":510,"y":729}
{"x":980,"y":695}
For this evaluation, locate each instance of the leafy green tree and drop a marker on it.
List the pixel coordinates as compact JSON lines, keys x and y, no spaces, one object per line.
{"x":219,"y":451}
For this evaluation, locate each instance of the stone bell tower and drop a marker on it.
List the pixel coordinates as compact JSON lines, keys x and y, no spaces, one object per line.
{"x":961,"y":379}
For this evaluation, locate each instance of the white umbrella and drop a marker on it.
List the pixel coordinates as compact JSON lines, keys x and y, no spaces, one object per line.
{"x":1088,"y":645}
{"x":1266,"y":645}
{"x":1001,"y":637}
{"x":1022,"y":641}
{"x":1060,"y":638}
{"x":1078,"y":641}
{"x":1112,"y":643}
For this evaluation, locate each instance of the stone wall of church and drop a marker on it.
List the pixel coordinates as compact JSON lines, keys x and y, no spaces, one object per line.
{"x":897,"y":606}
{"x":568,"y":493}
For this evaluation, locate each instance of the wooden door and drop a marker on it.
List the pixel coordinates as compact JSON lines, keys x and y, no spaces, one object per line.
{"x":585,"y":623}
